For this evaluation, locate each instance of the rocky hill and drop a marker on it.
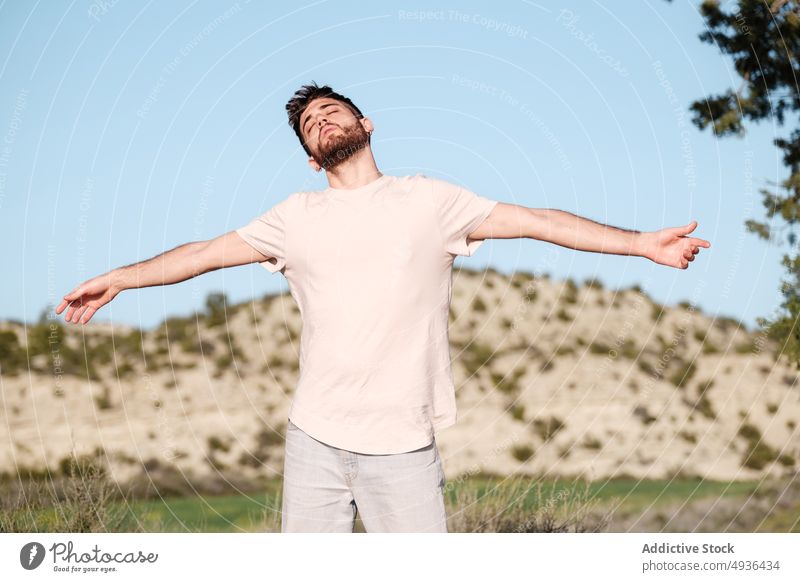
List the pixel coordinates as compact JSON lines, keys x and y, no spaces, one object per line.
{"x":552,"y":379}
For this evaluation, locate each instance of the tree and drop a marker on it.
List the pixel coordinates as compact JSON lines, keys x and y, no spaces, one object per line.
{"x":763,"y":38}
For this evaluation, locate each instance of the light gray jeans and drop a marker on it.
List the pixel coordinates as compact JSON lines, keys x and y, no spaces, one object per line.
{"x":324,"y":486}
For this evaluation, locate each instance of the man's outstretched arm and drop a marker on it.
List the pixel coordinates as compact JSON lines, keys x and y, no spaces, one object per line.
{"x":176,"y":265}
{"x":669,"y":246}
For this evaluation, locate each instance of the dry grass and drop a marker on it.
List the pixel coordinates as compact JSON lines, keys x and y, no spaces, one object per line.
{"x":79,"y":500}
{"x":507,"y":508}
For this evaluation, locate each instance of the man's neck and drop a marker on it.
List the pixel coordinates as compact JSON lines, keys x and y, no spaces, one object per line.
{"x":354,"y":173}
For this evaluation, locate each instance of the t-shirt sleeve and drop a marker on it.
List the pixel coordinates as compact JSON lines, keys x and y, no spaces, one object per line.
{"x":267,"y":234}
{"x":460,"y":212}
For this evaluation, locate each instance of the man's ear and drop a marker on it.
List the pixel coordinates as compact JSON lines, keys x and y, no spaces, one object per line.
{"x":314,"y":165}
{"x":366,"y":123}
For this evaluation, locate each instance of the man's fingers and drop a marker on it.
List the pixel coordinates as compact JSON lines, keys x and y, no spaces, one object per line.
{"x":79,"y":313}
{"x":689,"y":227}
{"x":700,"y":242}
{"x":88,"y":315}
{"x":72,"y":295}
{"x":72,"y":309}
{"x":695,"y":250}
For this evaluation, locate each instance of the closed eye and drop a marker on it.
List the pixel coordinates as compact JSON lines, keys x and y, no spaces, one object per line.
{"x":331,"y":109}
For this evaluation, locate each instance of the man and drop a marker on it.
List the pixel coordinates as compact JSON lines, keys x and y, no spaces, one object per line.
{"x":369,"y":263}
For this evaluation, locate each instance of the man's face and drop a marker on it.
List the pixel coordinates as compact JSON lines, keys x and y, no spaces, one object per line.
{"x":332,"y":132}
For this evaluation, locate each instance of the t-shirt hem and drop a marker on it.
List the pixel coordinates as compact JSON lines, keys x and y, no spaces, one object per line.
{"x":350,"y":437}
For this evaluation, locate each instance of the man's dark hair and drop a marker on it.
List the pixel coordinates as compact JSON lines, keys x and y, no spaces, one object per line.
{"x":305,"y":95}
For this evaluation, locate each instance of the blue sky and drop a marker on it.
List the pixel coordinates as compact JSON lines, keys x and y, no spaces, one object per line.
{"x":129,"y":128}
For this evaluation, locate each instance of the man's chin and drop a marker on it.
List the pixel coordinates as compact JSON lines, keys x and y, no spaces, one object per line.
{"x":334,"y":156}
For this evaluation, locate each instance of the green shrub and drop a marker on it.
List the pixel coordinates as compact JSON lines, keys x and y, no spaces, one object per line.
{"x":12,"y":356}
{"x":508,"y":383}
{"x":216,"y":444}
{"x":478,"y":305}
{"x":547,"y":428}
{"x":522,"y":453}
{"x":593,"y":283}
{"x":758,"y":453}
{"x":657,"y":311}
{"x":82,"y":499}
{"x":475,"y":356}
{"x":517,"y":412}
{"x":569,"y":293}
{"x":216,"y":309}
{"x":591,"y":443}
{"x":683,"y":374}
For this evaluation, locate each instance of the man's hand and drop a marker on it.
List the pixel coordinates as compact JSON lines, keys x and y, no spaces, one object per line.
{"x":88,"y":297}
{"x":671,"y":246}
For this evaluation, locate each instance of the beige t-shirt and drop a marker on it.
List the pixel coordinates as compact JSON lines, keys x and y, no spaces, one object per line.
{"x":371,"y":271}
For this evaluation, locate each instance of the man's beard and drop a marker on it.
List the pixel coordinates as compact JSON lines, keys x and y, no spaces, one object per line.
{"x":335,"y":149}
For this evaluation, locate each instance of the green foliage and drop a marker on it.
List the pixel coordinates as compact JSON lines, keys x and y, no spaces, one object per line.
{"x":517,"y":412}
{"x":763,"y":39}
{"x":217,"y":444}
{"x":48,"y":338}
{"x":12,"y":356}
{"x":702,"y":404}
{"x":475,"y":356}
{"x":522,"y":453}
{"x":657,"y":311}
{"x":81,"y":500}
{"x":562,"y":315}
{"x":759,"y":454}
{"x":592,"y":444}
{"x":547,"y":428}
{"x":508,"y":383}
{"x":683,"y":374}
{"x":592,"y":283}
{"x":216,"y":309}
{"x":569,"y":293}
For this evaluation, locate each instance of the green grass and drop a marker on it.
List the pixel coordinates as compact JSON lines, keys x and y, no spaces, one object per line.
{"x":233,"y":513}
{"x":218,"y":513}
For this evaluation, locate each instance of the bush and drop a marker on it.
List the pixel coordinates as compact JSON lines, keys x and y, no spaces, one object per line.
{"x":683,"y":374}
{"x":591,"y":443}
{"x":547,"y":428}
{"x":593,"y":283}
{"x":12,"y":357}
{"x":81,"y":500}
{"x":216,"y":309}
{"x":522,"y":453}
{"x":517,"y":412}
{"x":521,"y":506}
{"x":508,"y":383}
{"x":758,"y":453}
{"x":569,"y":293}
{"x":475,"y":356}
